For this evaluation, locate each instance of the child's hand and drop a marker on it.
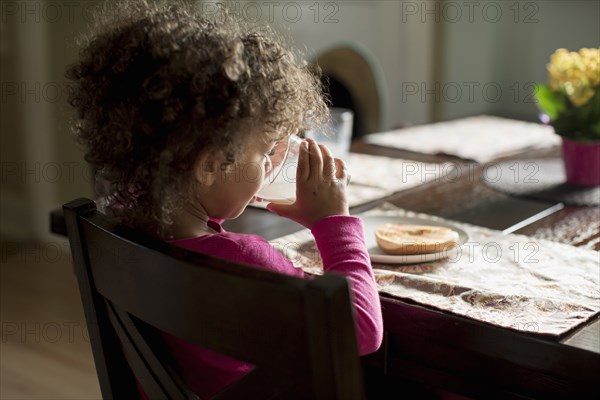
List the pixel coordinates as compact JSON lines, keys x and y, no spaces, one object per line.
{"x":320,"y":187}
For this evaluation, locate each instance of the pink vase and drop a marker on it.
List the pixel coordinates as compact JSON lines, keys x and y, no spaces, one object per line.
{"x":582,"y":162}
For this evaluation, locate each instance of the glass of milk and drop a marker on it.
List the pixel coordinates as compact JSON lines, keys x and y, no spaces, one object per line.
{"x":280,"y":182}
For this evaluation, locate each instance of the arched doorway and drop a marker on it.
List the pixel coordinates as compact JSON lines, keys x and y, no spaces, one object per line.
{"x":352,"y":78}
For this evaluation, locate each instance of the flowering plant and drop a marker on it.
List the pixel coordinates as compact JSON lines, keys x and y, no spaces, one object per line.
{"x":571,"y":100}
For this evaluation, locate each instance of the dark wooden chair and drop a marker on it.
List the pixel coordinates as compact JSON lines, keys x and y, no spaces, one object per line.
{"x":299,"y":333}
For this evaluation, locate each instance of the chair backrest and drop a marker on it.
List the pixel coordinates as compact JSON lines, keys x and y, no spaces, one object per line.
{"x":299,"y":333}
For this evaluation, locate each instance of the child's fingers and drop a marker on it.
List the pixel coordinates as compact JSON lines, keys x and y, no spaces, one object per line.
{"x":329,"y":166}
{"x":303,"y":163}
{"x":341,"y":170}
{"x":316,"y":160}
{"x":279,"y":209}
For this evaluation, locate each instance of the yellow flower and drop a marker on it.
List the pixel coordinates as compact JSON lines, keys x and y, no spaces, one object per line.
{"x":575,"y":73}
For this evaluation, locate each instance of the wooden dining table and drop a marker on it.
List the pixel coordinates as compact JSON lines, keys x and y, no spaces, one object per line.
{"x":445,"y":351}
{"x":431,"y":352}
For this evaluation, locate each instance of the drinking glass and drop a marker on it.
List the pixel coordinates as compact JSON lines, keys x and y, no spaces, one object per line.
{"x":338,"y":134}
{"x":279,"y":185}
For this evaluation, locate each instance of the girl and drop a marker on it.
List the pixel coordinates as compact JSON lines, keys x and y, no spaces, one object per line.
{"x":172,"y":109}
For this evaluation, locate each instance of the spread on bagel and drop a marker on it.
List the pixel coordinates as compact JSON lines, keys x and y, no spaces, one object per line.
{"x":403,"y":239}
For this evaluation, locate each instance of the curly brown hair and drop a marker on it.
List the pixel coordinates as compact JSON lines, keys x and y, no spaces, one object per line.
{"x":158,"y":83}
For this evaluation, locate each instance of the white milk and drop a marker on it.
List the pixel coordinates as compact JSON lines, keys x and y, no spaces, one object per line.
{"x":279,"y":192}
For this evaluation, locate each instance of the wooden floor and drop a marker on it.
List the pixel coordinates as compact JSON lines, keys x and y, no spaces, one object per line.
{"x":45,"y":351}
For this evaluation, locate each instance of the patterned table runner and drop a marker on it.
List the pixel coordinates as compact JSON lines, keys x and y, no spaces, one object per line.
{"x":513,"y":281}
{"x":482,"y":138}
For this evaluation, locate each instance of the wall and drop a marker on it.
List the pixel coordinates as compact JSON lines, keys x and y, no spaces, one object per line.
{"x":503,"y":49}
{"x":13,"y":189}
{"x":42,"y":167}
{"x":416,"y":44}
{"x":400,"y":46}
{"x":447,"y":59}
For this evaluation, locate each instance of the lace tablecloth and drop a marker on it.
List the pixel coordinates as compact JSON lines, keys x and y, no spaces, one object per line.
{"x":375,"y":177}
{"x":513,"y":281}
{"x":482,"y":138}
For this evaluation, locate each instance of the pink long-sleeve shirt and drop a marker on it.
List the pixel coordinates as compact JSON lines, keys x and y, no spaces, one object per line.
{"x":340,"y":240}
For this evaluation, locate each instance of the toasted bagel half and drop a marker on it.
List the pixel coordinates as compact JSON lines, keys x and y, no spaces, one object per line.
{"x":402,"y":239}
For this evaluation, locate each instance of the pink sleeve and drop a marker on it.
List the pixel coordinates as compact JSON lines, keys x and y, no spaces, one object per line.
{"x":340,"y":240}
{"x":242,"y":248}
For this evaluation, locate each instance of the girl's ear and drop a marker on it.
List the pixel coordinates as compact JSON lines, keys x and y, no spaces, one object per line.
{"x":206,"y":169}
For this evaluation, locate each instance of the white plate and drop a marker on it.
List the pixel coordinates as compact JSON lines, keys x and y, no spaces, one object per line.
{"x":372,"y":222}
